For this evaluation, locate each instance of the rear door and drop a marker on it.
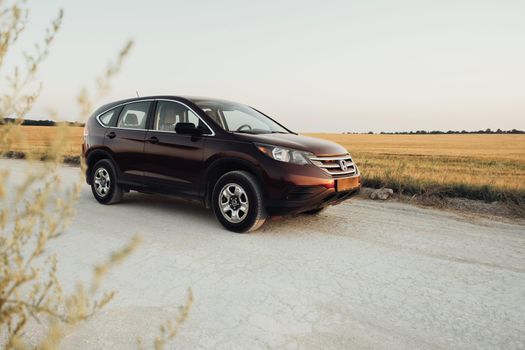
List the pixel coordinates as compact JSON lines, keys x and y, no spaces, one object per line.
{"x":174,"y":160}
{"x":126,"y":140}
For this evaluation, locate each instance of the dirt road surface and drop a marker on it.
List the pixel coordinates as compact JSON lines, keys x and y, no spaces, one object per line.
{"x":363,"y":275}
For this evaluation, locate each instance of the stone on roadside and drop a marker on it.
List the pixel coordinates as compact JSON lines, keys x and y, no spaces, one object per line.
{"x":382,"y":194}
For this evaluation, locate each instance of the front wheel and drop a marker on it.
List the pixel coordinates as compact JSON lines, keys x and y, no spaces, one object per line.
{"x":237,"y":202}
{"x":104,"y":183}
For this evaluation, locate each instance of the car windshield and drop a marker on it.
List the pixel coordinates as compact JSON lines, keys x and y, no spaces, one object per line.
{"x":234,"y":117}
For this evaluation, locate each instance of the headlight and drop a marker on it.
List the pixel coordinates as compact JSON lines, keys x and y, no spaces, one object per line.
{"x":283,"y":154}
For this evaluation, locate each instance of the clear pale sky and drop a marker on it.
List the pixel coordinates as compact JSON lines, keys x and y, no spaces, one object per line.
{"x":314,"y":65}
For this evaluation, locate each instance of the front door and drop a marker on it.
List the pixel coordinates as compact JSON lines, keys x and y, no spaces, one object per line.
{"x":174,"y":160}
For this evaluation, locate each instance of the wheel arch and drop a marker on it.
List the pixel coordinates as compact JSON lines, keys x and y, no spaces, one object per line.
{"x":222,"y":166}
{"x":93,"y":157}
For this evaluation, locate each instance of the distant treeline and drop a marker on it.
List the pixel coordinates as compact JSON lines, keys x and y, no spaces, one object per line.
{"x":438,"y":132}
{"x":30,"y":122}
{"x":417,"y":132}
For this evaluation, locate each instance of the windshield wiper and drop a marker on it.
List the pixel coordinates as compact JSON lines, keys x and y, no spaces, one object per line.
{"x":254,"y":131}
{"x":245,"y":132}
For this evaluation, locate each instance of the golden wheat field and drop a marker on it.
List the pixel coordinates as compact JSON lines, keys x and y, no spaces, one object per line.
{"x":37,"y":139}
{"x":486,"y":167}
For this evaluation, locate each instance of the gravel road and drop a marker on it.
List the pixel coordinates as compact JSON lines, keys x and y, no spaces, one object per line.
{"x":363,"y":275}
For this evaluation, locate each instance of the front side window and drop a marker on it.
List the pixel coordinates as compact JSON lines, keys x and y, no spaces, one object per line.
{"x":169,"y":114}
{"x":234,"y":117}
{"x":134,"y":115}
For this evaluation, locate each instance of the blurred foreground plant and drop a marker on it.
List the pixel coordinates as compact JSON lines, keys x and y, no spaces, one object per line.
{"x":36,"y":208}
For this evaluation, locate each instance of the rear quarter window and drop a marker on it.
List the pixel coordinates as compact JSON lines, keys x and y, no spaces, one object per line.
{"x":109,"y":118}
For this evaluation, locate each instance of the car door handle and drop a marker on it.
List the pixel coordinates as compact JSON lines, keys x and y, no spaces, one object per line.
{"x":111,"y":135}
{"x":153,"y":140}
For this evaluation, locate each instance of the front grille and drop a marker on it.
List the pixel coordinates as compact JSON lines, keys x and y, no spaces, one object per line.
{"x":335,"y":166}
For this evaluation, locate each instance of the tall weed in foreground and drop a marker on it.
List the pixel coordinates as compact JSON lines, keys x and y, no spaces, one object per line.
{"x":35,"y":209}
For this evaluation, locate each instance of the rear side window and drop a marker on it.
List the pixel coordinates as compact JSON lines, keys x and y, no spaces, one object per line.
{"x":134,"y":115}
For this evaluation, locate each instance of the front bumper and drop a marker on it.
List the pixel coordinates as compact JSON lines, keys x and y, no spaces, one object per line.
{"x":294,"y":189}
{"x":326,"y":198}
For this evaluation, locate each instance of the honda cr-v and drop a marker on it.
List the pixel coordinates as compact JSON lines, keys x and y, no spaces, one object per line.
{"x":238,"y":161}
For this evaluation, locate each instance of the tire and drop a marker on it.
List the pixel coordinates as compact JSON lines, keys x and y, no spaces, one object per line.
{"x":104,"y":183}
{"x":235,"y":190}
{"x":314,"y":211}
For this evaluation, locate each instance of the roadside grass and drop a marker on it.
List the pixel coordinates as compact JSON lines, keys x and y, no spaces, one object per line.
{"x":481,"y":167}
{"x":464,"y":177}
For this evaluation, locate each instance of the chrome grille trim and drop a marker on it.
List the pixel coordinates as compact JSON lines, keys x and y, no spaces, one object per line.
{"x":345,"y":157}
{"x":331,"y":165}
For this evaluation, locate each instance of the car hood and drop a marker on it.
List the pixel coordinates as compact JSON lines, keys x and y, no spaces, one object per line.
{"x":299,"y":142}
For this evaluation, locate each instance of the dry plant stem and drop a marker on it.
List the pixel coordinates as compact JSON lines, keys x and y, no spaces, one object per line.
{"x":29,"y":287}
{"x":103,"y":83}
{"x":39,"y":208}
{"x":170,"y":329}
{"x":36,"y":210}
{"x":19,"y":96}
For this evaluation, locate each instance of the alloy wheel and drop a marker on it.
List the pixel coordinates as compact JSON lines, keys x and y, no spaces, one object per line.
{"x":233,"y":203}
{"x":102,"y":182}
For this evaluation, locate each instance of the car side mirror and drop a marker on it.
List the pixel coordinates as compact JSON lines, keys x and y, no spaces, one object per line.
{"x":187,"y":129}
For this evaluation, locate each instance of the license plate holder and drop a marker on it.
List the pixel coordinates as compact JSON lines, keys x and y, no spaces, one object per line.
{"x":343,"y":185}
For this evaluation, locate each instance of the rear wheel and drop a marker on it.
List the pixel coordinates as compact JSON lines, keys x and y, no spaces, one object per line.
{"x":237,"y":202}
{"x":104,"y":183}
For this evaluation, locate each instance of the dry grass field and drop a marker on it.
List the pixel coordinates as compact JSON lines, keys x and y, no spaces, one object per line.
{"x":37,"y":139}
{"x":488,"y":167}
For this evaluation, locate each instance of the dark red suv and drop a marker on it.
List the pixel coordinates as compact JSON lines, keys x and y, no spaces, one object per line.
{"x":237,"y":160}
